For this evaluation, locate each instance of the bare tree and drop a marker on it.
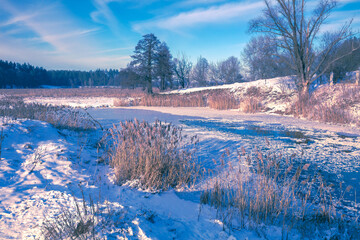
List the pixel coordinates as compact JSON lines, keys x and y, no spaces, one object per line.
{"x":348,"y":63}
{"x":264,"y":60}
{"x":200,"y":72}
{"x":182,"y":68}
{"x":287,"y":23}
{"x":227,"y":71}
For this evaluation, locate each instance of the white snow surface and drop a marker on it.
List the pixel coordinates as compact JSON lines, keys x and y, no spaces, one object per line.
{"x":279,"y":84}
{"x":42,"y":167}
{"x":274,"y":85}
{"x":40,"y":174}
{"x":77,"y":102}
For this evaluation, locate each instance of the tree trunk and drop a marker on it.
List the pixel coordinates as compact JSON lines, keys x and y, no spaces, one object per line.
{"x":149,"y":86}
{"x":162,"y":83}
{"x":305,"y":89}
{"x":358,"y":77}
{"x":331,"y":79}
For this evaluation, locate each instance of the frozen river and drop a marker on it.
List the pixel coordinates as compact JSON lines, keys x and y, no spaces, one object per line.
{"x":334,"y":151}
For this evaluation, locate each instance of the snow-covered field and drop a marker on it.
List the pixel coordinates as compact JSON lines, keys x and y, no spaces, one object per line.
{"x":44,"y":170}
{"x":332,"y":148}
{"x":73,"y":101}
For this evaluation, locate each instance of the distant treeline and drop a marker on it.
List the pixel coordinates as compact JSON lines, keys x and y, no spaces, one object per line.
{"x":27,"y":76}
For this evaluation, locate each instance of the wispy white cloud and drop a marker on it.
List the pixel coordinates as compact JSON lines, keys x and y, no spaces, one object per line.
{"x":215,"y":14}
{"x":14,"y":50}
{"x":105,"y":16}
{"x":339,"y":18}
{"x":48,"y":24}
{"x":347,"y":1}
{"x":69,"y":44}
{"x":66,"y":35}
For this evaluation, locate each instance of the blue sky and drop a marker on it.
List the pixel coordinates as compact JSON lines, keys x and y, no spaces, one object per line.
{"x":91,"y":34}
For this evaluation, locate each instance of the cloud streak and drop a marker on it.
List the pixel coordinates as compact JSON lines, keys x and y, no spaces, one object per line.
{"x":56,"y":39}
{"x":105,"y":16}
{"x":215,"y":14}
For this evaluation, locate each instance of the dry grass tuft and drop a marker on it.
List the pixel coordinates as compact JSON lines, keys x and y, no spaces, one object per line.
{"x":266,"y":189}
{"x":222,"y":100}
{"x":175,"y":100}
{"x":333,"y":104}
{"x":218,"y":99}
{"x":73,"y":92}
{"x":60,"y":117}
{"x":251,"y":105}
{"x":126,"y":102}
{"x":79,"y":220}
{"x":253,"y":91}
{"x":153,"y":155}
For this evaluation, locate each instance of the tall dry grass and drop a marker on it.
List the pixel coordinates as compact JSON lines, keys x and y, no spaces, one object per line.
{"x":60,"y":117}
{"x":251,"y":105}
{"x":79,"y":220}
{"x":251,"y":101}
{"x":333,"y":104}
{"x":153,"y":155}
{"x":313,"y":108}
{"x":268,"y":189}
{"x":217,"y":99}
{"x":222,"y":100}
{"x":197,"y":99}
{"x":73,"y":92}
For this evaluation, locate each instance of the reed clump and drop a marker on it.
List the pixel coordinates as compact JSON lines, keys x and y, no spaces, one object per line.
{"x":80,"y":220}
{"x":311,"y":107}
{"x":60,"y":117}
{"x":153,"y":156}
{"x":197,"y":99}
{"x":333,"y":104}
{"x":74,"y":92}
{"x":268,"y":189}
{"x":251,"y":105}
{"x":222,"y":100}
{"x":217,"y":99}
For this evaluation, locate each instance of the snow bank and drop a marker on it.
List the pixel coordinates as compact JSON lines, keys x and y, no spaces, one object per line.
{"x":74,"y":101}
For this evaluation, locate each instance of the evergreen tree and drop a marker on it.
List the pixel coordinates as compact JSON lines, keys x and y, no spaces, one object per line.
{"x":164,"y":66}
{"x":144,"y":59}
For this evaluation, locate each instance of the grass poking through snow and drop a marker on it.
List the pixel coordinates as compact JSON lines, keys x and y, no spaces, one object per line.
{"x":268,"y":189}
{"x":153,"y":155}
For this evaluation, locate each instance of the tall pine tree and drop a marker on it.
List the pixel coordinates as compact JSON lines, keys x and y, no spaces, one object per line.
{"x":145,"y":59}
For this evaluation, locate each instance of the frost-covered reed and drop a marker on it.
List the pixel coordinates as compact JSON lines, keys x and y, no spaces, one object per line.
{"x":154,"y":156}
